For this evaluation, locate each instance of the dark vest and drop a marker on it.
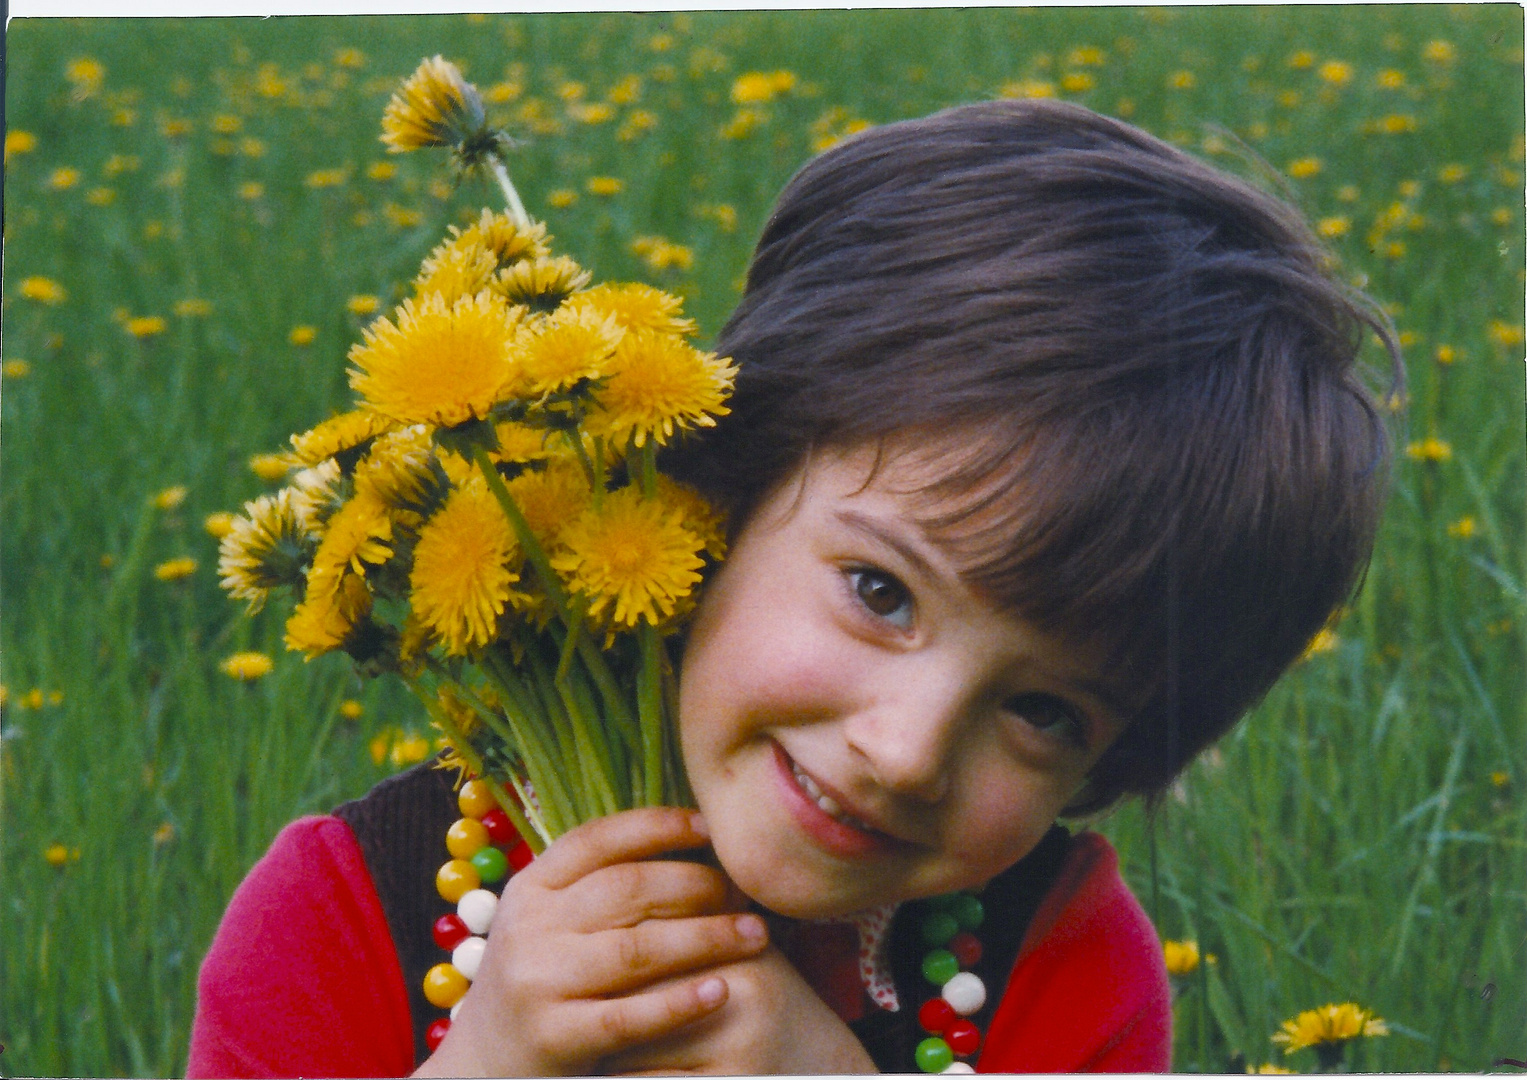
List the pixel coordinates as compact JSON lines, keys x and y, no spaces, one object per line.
{"x":401,"y":825}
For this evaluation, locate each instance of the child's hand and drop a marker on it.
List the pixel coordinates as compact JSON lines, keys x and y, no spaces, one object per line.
{"x":772,"y":1022}
{"x":593,"y":951}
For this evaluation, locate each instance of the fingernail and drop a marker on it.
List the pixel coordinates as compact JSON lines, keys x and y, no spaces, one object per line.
{"x":711,"y":991}
{"x":752,"y":929}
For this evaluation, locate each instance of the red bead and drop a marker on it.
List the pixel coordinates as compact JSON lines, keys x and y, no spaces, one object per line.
{"x":963,"y":1037}
{"x":500,"y":830}
{"x":966,"y":948}
{"x":435,"y":1032}
{"x":450,"y":931}
{"x":520,"y":856}
{"x":936,"y":1015}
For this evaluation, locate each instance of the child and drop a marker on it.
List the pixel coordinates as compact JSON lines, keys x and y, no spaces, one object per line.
{"x":1047,"y":456}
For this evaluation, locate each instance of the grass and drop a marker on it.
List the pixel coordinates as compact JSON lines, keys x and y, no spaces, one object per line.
{"x":1359,"y":838}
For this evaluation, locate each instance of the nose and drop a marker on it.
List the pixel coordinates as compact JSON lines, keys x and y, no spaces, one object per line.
{"x":908,"y":739}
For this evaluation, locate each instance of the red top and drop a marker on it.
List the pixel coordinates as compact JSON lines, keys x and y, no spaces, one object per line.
{"x":302,"y":978}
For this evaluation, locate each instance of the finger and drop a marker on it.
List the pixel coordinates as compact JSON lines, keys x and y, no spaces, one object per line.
{"x":623,"y":837}
{"x":623,"y":960}
{"x":632,"y":892}
{"x":614,"y":1024}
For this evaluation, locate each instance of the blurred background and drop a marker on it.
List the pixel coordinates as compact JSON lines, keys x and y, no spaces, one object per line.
{"x":199,"y":219}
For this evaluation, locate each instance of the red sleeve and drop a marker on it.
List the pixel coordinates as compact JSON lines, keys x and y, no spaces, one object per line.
{"x":1089,"y":990}
{"x":302,"y":978}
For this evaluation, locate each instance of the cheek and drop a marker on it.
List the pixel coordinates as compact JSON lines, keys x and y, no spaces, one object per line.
{"x":1005,"y":814}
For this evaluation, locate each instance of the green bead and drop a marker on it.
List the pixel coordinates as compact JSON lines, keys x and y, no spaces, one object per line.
{"x":934,"y":1055}
{"x":968,"y":911}
{"x":938,"y":928}
{"x":490,"y":862}
{"x":940,"y":966}
{"x":943,"y":902}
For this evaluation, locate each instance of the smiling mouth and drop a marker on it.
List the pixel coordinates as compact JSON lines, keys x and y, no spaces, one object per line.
{"x":825,"y":802}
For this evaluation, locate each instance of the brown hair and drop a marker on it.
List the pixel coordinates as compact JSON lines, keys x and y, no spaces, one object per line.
{"x":1160,"y":441}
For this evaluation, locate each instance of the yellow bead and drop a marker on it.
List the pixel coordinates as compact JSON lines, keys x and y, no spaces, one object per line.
{"x":444,"y":986}
{"x":456,"y":878}
{"x":475,"y":799}
{"x":466,"y":838}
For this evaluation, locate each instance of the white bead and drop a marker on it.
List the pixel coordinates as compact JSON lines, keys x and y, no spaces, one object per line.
{"x":456,"y":1008}
{"x":476,"y":909}
{"x":960,"y":1067}
{"x":965,"y":993}
{"x":467,"y":956}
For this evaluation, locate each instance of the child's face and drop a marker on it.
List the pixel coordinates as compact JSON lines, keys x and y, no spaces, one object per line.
{"x":838,"y":658}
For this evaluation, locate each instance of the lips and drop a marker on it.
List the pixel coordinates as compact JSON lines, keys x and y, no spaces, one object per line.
{"x":821,"y":814}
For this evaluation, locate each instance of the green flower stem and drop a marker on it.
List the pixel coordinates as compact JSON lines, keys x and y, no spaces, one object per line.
{"x":649,"y":468}
{"x":511,"y":196}
{"x":649,"y":706}
{"x":570,"y":645}
{"x":598,"y":795}
{"x":530,"y":731}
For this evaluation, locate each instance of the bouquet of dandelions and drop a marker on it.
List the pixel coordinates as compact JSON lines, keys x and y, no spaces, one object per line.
{"x":489,"y":521}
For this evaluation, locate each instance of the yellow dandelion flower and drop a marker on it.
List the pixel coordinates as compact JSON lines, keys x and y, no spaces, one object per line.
{"x":605,"y":185}
{"x":1301,"y":60}
{"x":1021,"y":88}
{"x":358,"y":533}
{"x":349,"y":57}
{"x":246,"y":666}
{"x":1305,"y":167}
{"x":452,"y":272}
{"x":15,"y":369}
{"x":465,"y":564}
{"x":219,"y":524}
{"x":698,"y":515}
{"x":225,"y":124}
{"x":636,"y":307}
{"x":658,"y":382}
{"x":19,"y":142}
{"x":1451,"y":174}
{"x":435,"y":106}
{"x":251,"y":147}
{"x":351,"y":709}
{"x":1429,"y":449}
{"x":1085,"y":56}
{"x":1446,"y":354}
{"x":174,"y":127}
{"x":63,"y":178}
{"x":562,"y":198}
{"x":362,"y":304}
{"x":758,"y":88}
{"x":338,"y":434}
{"x":145,"y":326}
{"x":1182,"y":80}
{"x":251,"y":190}
{"x":101,"y":196}
{"x":1077,"y":82}
{"x":1324,"y":641}
{"x":1463,"y":528}
{"x":1327,"y":1025}
{"x":439,"y":363}
{"x":630,"y":561}
{"x":660,"y":254}
{"x":381,"y":170}
{"x":541,"y":284}
{"x":175,"y":569}
{"x":192,"y":308}
{"x":564,"y":349}
{"x":499,"y":234}
{"x":1333,"y":227}
{"x":59,"y":855}
{"x":44,"y":290}
{"x":263,"y":550}
{"x":272,"y":468}
{"x":164,"y":834}
{"x":1439,"y":52}
{"x":302,"y":335}
{"x":326,"y":178}
{"x":1181,"y":957}
{"x":1397,"y":124}
{"x":1390,"y":79}
{"x":85,"y":74}
{"x":32,"y":699}
{"x":326,"y":618}
{"x":169,"y":498}
{"x":502,"y":91}
{"x":550,"y":498}
{"x":1336,"y":72}
{"x":410,"y":749}
{"x":1504,"y":333}
{"x":593,"y":112}
{"x":397,"y":470}
{"x":520,"y":443}
{"x":1500,"y":778}
{"x":1268,"y":1069}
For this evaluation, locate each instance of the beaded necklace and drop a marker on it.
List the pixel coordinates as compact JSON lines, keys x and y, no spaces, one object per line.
{"x":485,"y":850}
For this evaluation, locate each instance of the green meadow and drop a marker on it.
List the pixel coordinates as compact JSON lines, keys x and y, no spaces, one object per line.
{"x":199,"y":220}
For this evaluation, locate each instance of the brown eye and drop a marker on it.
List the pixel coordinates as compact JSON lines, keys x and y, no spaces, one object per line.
{"x":1051,"y":715}
{"x":883,"y":595}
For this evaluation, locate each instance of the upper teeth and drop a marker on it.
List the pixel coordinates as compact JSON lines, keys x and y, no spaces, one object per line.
{"x":828,"y":804}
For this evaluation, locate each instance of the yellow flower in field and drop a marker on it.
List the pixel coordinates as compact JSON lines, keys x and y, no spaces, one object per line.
{"x":1439,"y":52}
{"x":1500,"y":778}
{"x":246,"y":666}
{"x":63,"y":178}
{"x":1336,"y":72}
{"x":1446,"y":354}
{"x":381,"y":170}
{"x":144,"y":326}
{"x":1301,"y":59}
{"x":465,"y":565}
{"x":326,"y":178}
{"x":1390,"y":79}
{"x":1333,"y":227}
{"x":1182,"y":80}
{"x":251,"y":190}
{"x":1181,"y":957}
{"x":1397,"y":124}
{"x":349,"y":57}
{"x":635,"y":307}
{"x":1501,"y":215}
{"x":33,"y":698}
{"x":219,"y":524}
{"x":1269,"y":1070}
{"x":15,"y":369}
{"x":744,"y":123}
{"x":192,"y":308}
{"x":1021,"y":88}
{"x":175,"y":569}
{"x":101,"y":196}
{"x":351,"y":709}
{"x":1305,"y":167}
{"x":272,"y":468}
{"x":1077,"y":82}
{"x":760,"y":87}
{"x":1463,"y":528}
{"x":337,"y":434}
{"x":1329,"y":1024}
{"x":605,"y":185}
{"x":302,"y":335}
{"x":1504,"y":333}
{"x":1324,"y":641}
{"x":362,"y":304}
{"x":1085,"y":56}
{"x":169,"y":498}
{"x":502,"y":91}
{"x":1429,"y":449}
{"x":174,"y":127}
{"x":661,"y":254}
{"x":724,"y":214}
{"x":410,"y":749}
{"x":326,"y":618}
{"x":438,"y":364}
{"x":564,"y":349}
{"x":164,"y":834}
{"x":658,"y":382}
{"x":85,"y":75}
{"x":251,"y":147}
{"x":435,"y":106}
{"x":263,"y":550}
{"x":44,"y":290}
{"x":595,"y":112}
{"x":1451,"y":174}
{"x":632,"y":559}
{"x":541,"y":284}
{"x":562,"y":198}
{"x":19,"y":142}
{"x":59,"y":855}
{"x":225,"y":124}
